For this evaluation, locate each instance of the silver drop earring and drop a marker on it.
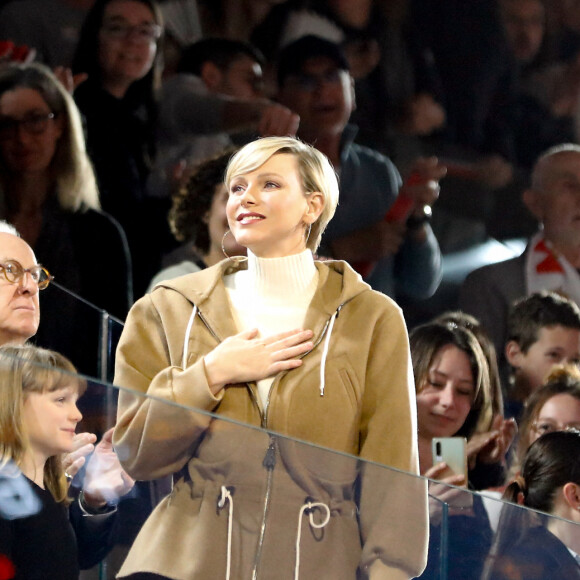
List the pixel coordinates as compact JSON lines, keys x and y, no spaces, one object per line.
{"x":231,"y":258}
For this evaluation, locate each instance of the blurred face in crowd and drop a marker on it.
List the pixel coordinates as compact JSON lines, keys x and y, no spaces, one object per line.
{"x":19,"y":308}
{"x":554,"y":198}
{"x":524,"y":24}
{"x":29,"y":131}
{"x":322,"y":94}
{"x":446,"y":395}
{"x":558,"y":413}
{"x":127,"y":44}
{"x":555,"y":345}
{"x":241,"y":79}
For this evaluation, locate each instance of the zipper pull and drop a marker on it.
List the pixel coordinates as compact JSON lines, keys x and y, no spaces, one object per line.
{"x":270,"y":457}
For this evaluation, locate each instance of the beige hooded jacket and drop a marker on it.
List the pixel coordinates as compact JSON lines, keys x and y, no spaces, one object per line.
{"x":247,"y":502}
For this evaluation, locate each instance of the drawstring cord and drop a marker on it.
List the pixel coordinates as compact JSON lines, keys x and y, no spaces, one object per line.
{"x":308,"y":506}
{"x":227,"y":496}
{"x":186,"y":340}
{"x":325,"y":352}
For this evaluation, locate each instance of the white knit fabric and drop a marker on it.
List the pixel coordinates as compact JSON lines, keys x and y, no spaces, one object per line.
{"x":272,"y":295}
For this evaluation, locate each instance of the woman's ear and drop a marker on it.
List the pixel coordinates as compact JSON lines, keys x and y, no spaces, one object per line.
{"x":571,"y":493}
{"x":315,"y":206}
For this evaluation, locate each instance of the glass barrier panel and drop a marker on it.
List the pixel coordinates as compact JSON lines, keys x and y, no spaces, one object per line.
{"x":84,"y":333}
{"x":216,"y":498}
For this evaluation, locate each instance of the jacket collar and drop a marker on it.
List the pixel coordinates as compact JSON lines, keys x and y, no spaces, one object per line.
{"x":338,"y":283}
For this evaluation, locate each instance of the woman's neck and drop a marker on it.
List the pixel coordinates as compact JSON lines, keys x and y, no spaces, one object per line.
{"x":26,"y":195}
{"x":27,"y":192}
{"x":566,"y":532}
{"x":117,"y":87}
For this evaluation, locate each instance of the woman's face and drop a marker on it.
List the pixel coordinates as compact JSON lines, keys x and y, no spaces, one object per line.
{"x":267,"y":209}
{"x":445,"y":397}
{"x":50,"y":419}
{"x":28,"y":137}
{"x":558,"y":413}
{"x":127,"y":42}
{"x":217,"y":223}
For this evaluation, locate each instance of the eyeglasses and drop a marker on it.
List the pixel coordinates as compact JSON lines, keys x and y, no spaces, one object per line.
{"x":33,"y":123}
{"x":310,"y":83}
{"x":541,"y":427}
{"x":14,"y":272}
{"x":143,"y":33}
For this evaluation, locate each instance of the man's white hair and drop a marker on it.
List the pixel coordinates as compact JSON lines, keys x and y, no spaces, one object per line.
{"x":8,"y":228}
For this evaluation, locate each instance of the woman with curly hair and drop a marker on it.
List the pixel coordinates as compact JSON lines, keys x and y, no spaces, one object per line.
{"x":198,"y":219}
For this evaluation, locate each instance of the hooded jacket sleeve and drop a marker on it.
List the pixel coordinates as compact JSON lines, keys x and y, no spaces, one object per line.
{"x":393,"y":499}
{"x":156,"y":429}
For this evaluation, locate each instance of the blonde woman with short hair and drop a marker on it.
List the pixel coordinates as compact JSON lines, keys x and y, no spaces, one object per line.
{"x":298,"y":347}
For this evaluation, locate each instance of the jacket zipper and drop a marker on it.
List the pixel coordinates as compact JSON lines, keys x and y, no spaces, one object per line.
{"x":269,"y":461}
{"x":270,"y":458}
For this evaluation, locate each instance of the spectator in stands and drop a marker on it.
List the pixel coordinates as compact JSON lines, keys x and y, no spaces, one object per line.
{"x":543,"y":331}
{"x":372,"y":34}
{"x":198,"y":220}
{"x":215,"y":97}
{"x":120,"y":51}
{"x":453,"y":399}
{"x":489,"y":444}
{"x":550,"y":119}
{"x":555,"y":406}
{"x":401,"y":257}
{"x":527,"y":545}
{"x":48,"y":191}
{"x":551,"y":256}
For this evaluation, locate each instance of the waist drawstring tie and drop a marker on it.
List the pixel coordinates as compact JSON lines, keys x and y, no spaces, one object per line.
{"x":309,"y":505}
{"x":227,"y":496}
{"x":325,"y":352}
{"x":186,"y":339}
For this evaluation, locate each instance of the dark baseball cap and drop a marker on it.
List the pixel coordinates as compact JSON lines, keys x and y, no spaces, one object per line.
{"x":293,"y":56}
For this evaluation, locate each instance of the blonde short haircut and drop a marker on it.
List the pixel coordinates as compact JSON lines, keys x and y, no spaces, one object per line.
{"x":315,"y":170}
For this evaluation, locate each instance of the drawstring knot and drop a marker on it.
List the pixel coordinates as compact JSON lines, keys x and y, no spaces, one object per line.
{"x":308,"y":508}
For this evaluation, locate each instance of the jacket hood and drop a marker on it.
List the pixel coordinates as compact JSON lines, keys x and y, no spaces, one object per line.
{"x":338,"y":283}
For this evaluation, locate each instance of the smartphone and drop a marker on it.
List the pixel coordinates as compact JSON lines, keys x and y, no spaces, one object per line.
{"x":452,"y":451}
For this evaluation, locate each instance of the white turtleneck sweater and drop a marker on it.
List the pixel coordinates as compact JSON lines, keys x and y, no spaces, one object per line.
{"x":272,"y":295}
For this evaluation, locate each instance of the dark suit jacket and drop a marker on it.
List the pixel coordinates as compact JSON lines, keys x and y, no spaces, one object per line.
{"x":488,"y":293}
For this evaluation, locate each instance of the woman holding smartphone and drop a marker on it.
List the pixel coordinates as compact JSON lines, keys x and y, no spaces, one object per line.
{"x":453,"y":400}
{"x":297,"y":347}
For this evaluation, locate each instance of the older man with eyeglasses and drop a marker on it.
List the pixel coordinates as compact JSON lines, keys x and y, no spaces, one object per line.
{"x":21,"y":278}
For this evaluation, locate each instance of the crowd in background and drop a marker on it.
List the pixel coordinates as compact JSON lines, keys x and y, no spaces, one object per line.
{"x":448,"y":123}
